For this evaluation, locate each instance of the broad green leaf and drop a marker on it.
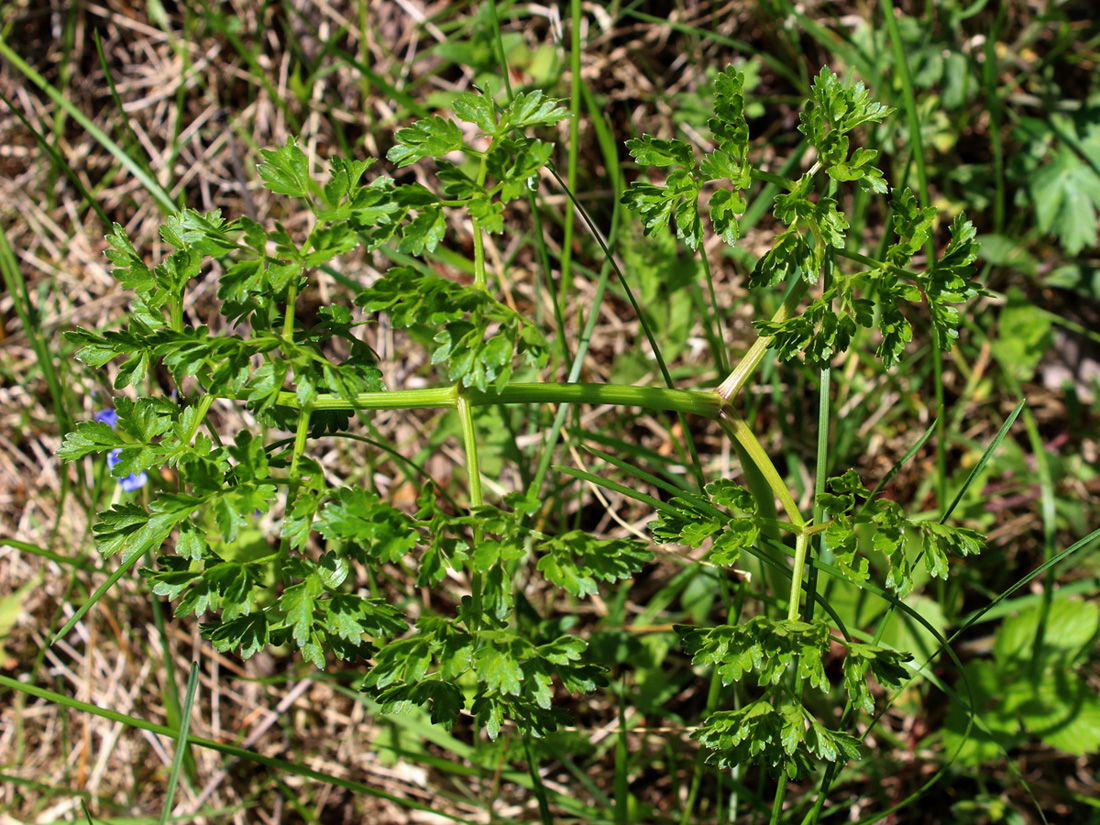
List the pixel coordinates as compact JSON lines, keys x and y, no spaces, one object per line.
{"x":477,"y":109}
{"x":432,"y":136}
{"x":651,"y":151}
{"x":1070,"y":632}
{"x":1064,"y":711}
{"x":1066,"y":194}
{"x":285,"y":170}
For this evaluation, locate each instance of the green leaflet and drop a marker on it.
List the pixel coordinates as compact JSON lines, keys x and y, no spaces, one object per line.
{"x":463,"y":316}
{"x":891,"y":532}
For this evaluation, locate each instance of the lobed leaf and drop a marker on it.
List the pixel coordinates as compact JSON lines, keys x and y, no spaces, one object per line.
{"x":433,"y":136}
{"x":285,"y":170}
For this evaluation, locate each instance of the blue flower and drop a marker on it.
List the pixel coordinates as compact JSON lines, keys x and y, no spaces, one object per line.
{"x":134,"y":481}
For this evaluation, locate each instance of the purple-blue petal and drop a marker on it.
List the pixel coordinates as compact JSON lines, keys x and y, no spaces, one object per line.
{"x":107,"y":416}
{"x":134,"y":481}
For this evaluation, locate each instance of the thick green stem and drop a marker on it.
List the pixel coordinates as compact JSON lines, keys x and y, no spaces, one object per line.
{"x":778,"y":180}
{"x":469,"y":441}
{"x":176,"y":312}
{"x":733,"y":383}
{"x":288,"y":318}
{"x":738,"y":429}
{"x":801,"y":546}
{"x":300,"y":435}
{"x":473,"y":471}
{"x":429,"y":399}
{"x":481,"y":281}
{"x":707,"y":404}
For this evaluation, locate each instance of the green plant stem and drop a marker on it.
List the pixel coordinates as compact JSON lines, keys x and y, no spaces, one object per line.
{"x":716,"y":334}
{"x":707,"y":404}
{"x":481,"y":281}
{"x":777,"y":804}
{"x":874,"y":263}
{"x":778,"y":180}
{"x":801,"y":548}
{"x":182,"y":749}
{"x":203,"y":407}
{"x":824,"y":417}
{"x":738,"y":429}
{"x":473,"y":471}
{"x":300,"y":435}
{"x":288,"y":318}
{"x":740,"y":375}
{"x":469,"y":441}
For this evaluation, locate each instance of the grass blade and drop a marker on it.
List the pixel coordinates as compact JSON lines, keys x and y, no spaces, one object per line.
{"x":181,"y":742}
{"x":163,"y":199}
{"x":280,"y":765}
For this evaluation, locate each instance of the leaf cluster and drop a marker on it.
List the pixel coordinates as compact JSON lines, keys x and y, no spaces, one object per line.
{"x":783,"y":734}
{"x":677,"y":200}
{"x":474,"y":337}
{"x":816,"y":228}
{"x":726,"y":514}
{"x":873,"y":298}
{"x":784,"y":738}
{"x":512,"y":676}
{"x":850,"y":505}
{"x":512,"y":161}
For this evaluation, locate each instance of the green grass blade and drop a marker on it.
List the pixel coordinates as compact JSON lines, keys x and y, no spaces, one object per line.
{"x":536,"y":781}
{"x":124,"y":118}
{"x":280,"y":765}
{"x":986,"y":456}
{"x":615,"y":487}
{"x":697,"y":465}
{"x":622,"y":761}
{"x":95,"y":597}
{"x":58,"y":161}
{"x":163,"y":199}
{"x":28,"y":316}
{"x":626,"y":466}
{"x":181,"y":743}
{"x":67,"y":561}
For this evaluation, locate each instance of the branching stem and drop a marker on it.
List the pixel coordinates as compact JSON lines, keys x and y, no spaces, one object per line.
{"x":738,"y":429}
{"x":740,"y":375}
{"x":707,"y":404}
